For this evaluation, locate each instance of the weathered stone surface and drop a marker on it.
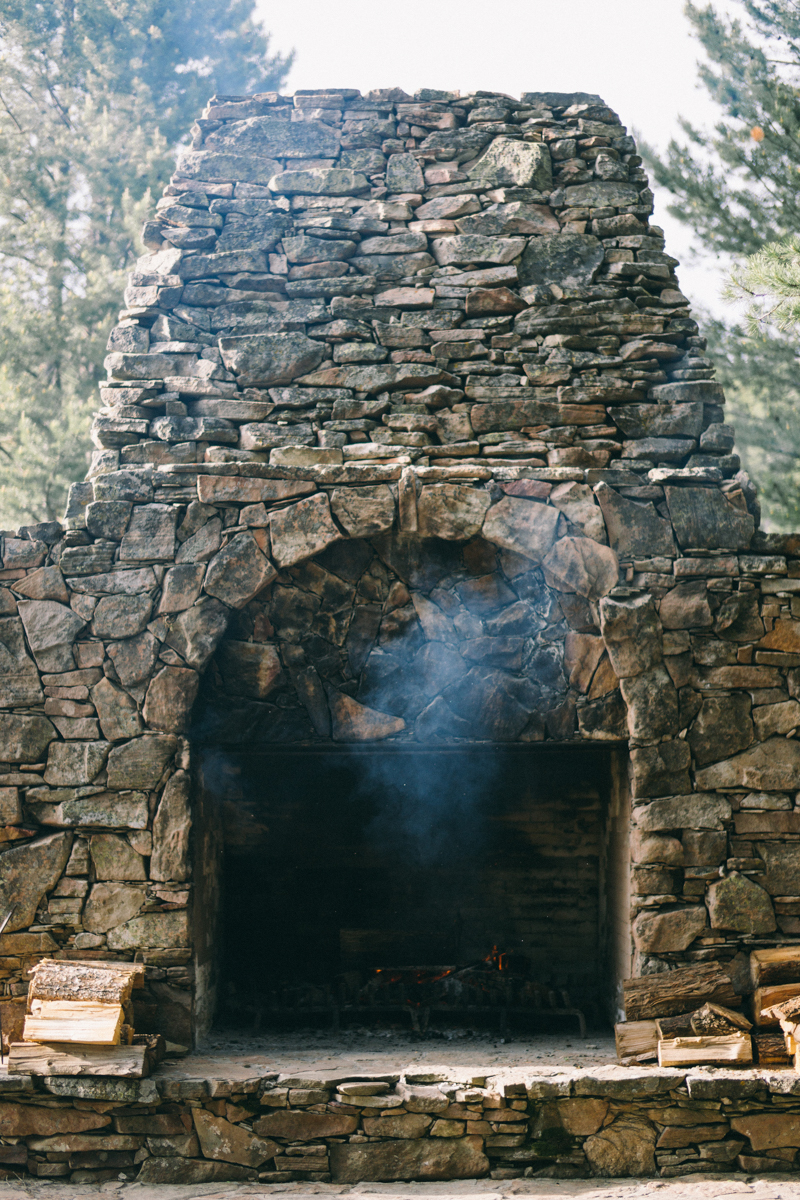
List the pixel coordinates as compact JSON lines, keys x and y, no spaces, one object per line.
{"x":325,"y":181}
{"x":475,"y":248}
{"x":704,"y":518}
{"x":568,"y":259}
{"x":661,"y":932}
{"x":121,"y":616}
{"x":302,"y":530}
{"x":385,"y":377}
{"x":770,"y":719}
{"x":686,"y":606}
{"x":111,"y":904}
{"x":523,"y":526}
{"x":169,"y":699}
{"x":19,"y":678}
{"x":150,"y":536}
{"x":583,"y":1115}
{"x":28,"y":1120}
{"x":197,"y":632}
{"x":27,"y":872}
{"x":153,"y":931}
{"x":192,"y":1170}
{"x":722,"y":728}
{"x":518,"y":216}
{"x":698,"y":811}
{"x":363,"y":512}
{"x":304,"y":1126}
{"x":634,"y":527}
{"x":404,"y":174}
{"x":268,"y":359}
{"x":221,"y":1140}
{"x":182,"y":586}
{"x":248,"y":168}
{"x":283,"y":139}
{"x":602,"y":195}
{"x":442,"y":1158}
{"x":508,"y":162}
{"x":781,"y":867}
{"x":626,"y":1147}
{"x":203,"y":544}
{"x":354,"y":722}
{"x":74,"y":763}
{"x":45,"y":584}
{"x":495,"y":704}
{"x":115,"y":858}
{"x":24,"y":739}
{"x":576,"y":501}
{"x":51,"y":629}
{"x":141,"y":762}
{"x":768,"y":1131}
{"x":771,"y":766}
{"x":134,"y":658}
{"x":249,"y":668}
{"x":579,"y":564}
{"x":171,"y":829}
{"x":448,"y":511}
{"x":632,"y":633}
{"x":652,"y":704}
{"x":117,"y":810}
{"x":738,"y":903}
{"x":659,"y":420}
{"x":405,"y":1125}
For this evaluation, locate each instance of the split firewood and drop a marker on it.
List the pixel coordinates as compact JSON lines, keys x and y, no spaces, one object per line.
{"x":786,"y":1010}
{"x":679,"y":991}
{"x":714,"y":1019}
{"x":771,"y":1051}
{"x":713,"y":1051}
{"x":80,"y":1021}
{"x":775,"y":966}
{"x":672,"y":1027}
{"x":32,"y":1058}
{"x":767,"y":999}
{"x":53,"y":979}
{"x":636,"y":1039}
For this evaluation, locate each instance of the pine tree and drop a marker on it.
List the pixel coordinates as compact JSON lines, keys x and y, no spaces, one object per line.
{"x":738,"y":188}
{"x":94,"y":98}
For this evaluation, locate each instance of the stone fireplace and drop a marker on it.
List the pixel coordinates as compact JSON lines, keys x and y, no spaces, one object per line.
{"x":414,"y":596}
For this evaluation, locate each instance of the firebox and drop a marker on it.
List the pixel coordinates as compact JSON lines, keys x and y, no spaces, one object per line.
{"x":482,"y":883}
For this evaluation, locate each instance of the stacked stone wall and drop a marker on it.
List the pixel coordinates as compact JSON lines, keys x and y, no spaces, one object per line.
{"x":408,"y":429}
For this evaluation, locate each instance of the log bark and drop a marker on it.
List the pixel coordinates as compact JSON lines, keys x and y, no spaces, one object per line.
{"x":31,"y":1058}
{"x":678,"y":991}
{"x":672,"y":1027}
{"x":714,"y":1019}
{"x":770,"y":1050}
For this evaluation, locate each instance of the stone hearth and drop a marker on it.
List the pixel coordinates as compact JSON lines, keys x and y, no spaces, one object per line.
{"x":407,"y":441}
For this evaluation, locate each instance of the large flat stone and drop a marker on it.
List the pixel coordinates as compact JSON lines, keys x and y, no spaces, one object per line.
{"x":781,"y":867}
{"x":134,"y":658}
{"x":508,"y":162}
{"x":379,"y":378}
{"x":521,"y":525}
{"x":661,"y":932}
{"x":240,"y":570}
{"x":567,"y":259}
{"x":698,"y":811}
{"x":652,"y":703}
{"x":581,"y":565}
{"x":197,"y":631}
{"x":150,"y":536}
{"x":634,"y":527}
{"x":627,"y":1146}
{"x":425,"y":1158}
{"x":767,"y":1131}
{"x":721,"y":728}
{"x":704,"y":518}
{"x":119,"y":718}
{"x":19,"y":678}
{"x":632,"y":634}
{"x":169,"y":699}
{"x":38,"y":1120}
{"x":304,"y":1126}
{"x":65,"y":806}
{"x":141,"y":762}
{"x":365,"y":511}
{"x":221,"y":1140}
{"x":75,"y":763}
{"x":302,"y":530}
{"x":114,"y":858}
{"x":452,"y":512}
{"x":354,"y":722}
{"x":111,"y":904}
{"x":121,"y":616}
{"x":51,"y":629}
{"x":267,"y":359}
{"x":738,"y":903}
{"x":659,"y":420}
{"x":275,"y":138}
{"x":771,"y":766}
{"x":152,"y":931}
{"x":24,"y":739}
{"x":246,"y":168}
{"x":171,"y":829}
{"x":518,"y":216}
{"x":476,"y":248}
{"x":27,"y":872}
{"x":192,"y":1170}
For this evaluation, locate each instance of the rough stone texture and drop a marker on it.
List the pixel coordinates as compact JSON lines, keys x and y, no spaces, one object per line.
{"x":171,"y":830}
{"x":624,"y":1148}
{"x":220,"y":1140}
{"x":447,"y":511}
{"x":446,"y":1158}
{"x":665,"y":931}
{"x":27,"y":872}
{"x":169,"y":699}
{"x":738,"y":903}
{"x":268,"y":359}
{"x":522,"y":526}
{"x":302,"y":530}
{"x":239,"y":571}
{"x":51,"y":629}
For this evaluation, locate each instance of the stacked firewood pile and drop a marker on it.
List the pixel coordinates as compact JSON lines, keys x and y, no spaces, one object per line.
{"x":693,"y":1016}
{"x":79,"y":1021}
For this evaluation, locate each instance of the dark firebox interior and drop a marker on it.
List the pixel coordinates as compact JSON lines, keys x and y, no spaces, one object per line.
{"x":351,"y":876}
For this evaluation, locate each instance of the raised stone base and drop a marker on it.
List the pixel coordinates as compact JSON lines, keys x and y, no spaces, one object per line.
{"x":194,"y":1123}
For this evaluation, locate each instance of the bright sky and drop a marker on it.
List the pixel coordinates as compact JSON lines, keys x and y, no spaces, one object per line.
{"x":639,"y":55}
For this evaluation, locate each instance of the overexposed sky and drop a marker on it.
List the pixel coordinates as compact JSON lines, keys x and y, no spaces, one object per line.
{"x":639,"y":55}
